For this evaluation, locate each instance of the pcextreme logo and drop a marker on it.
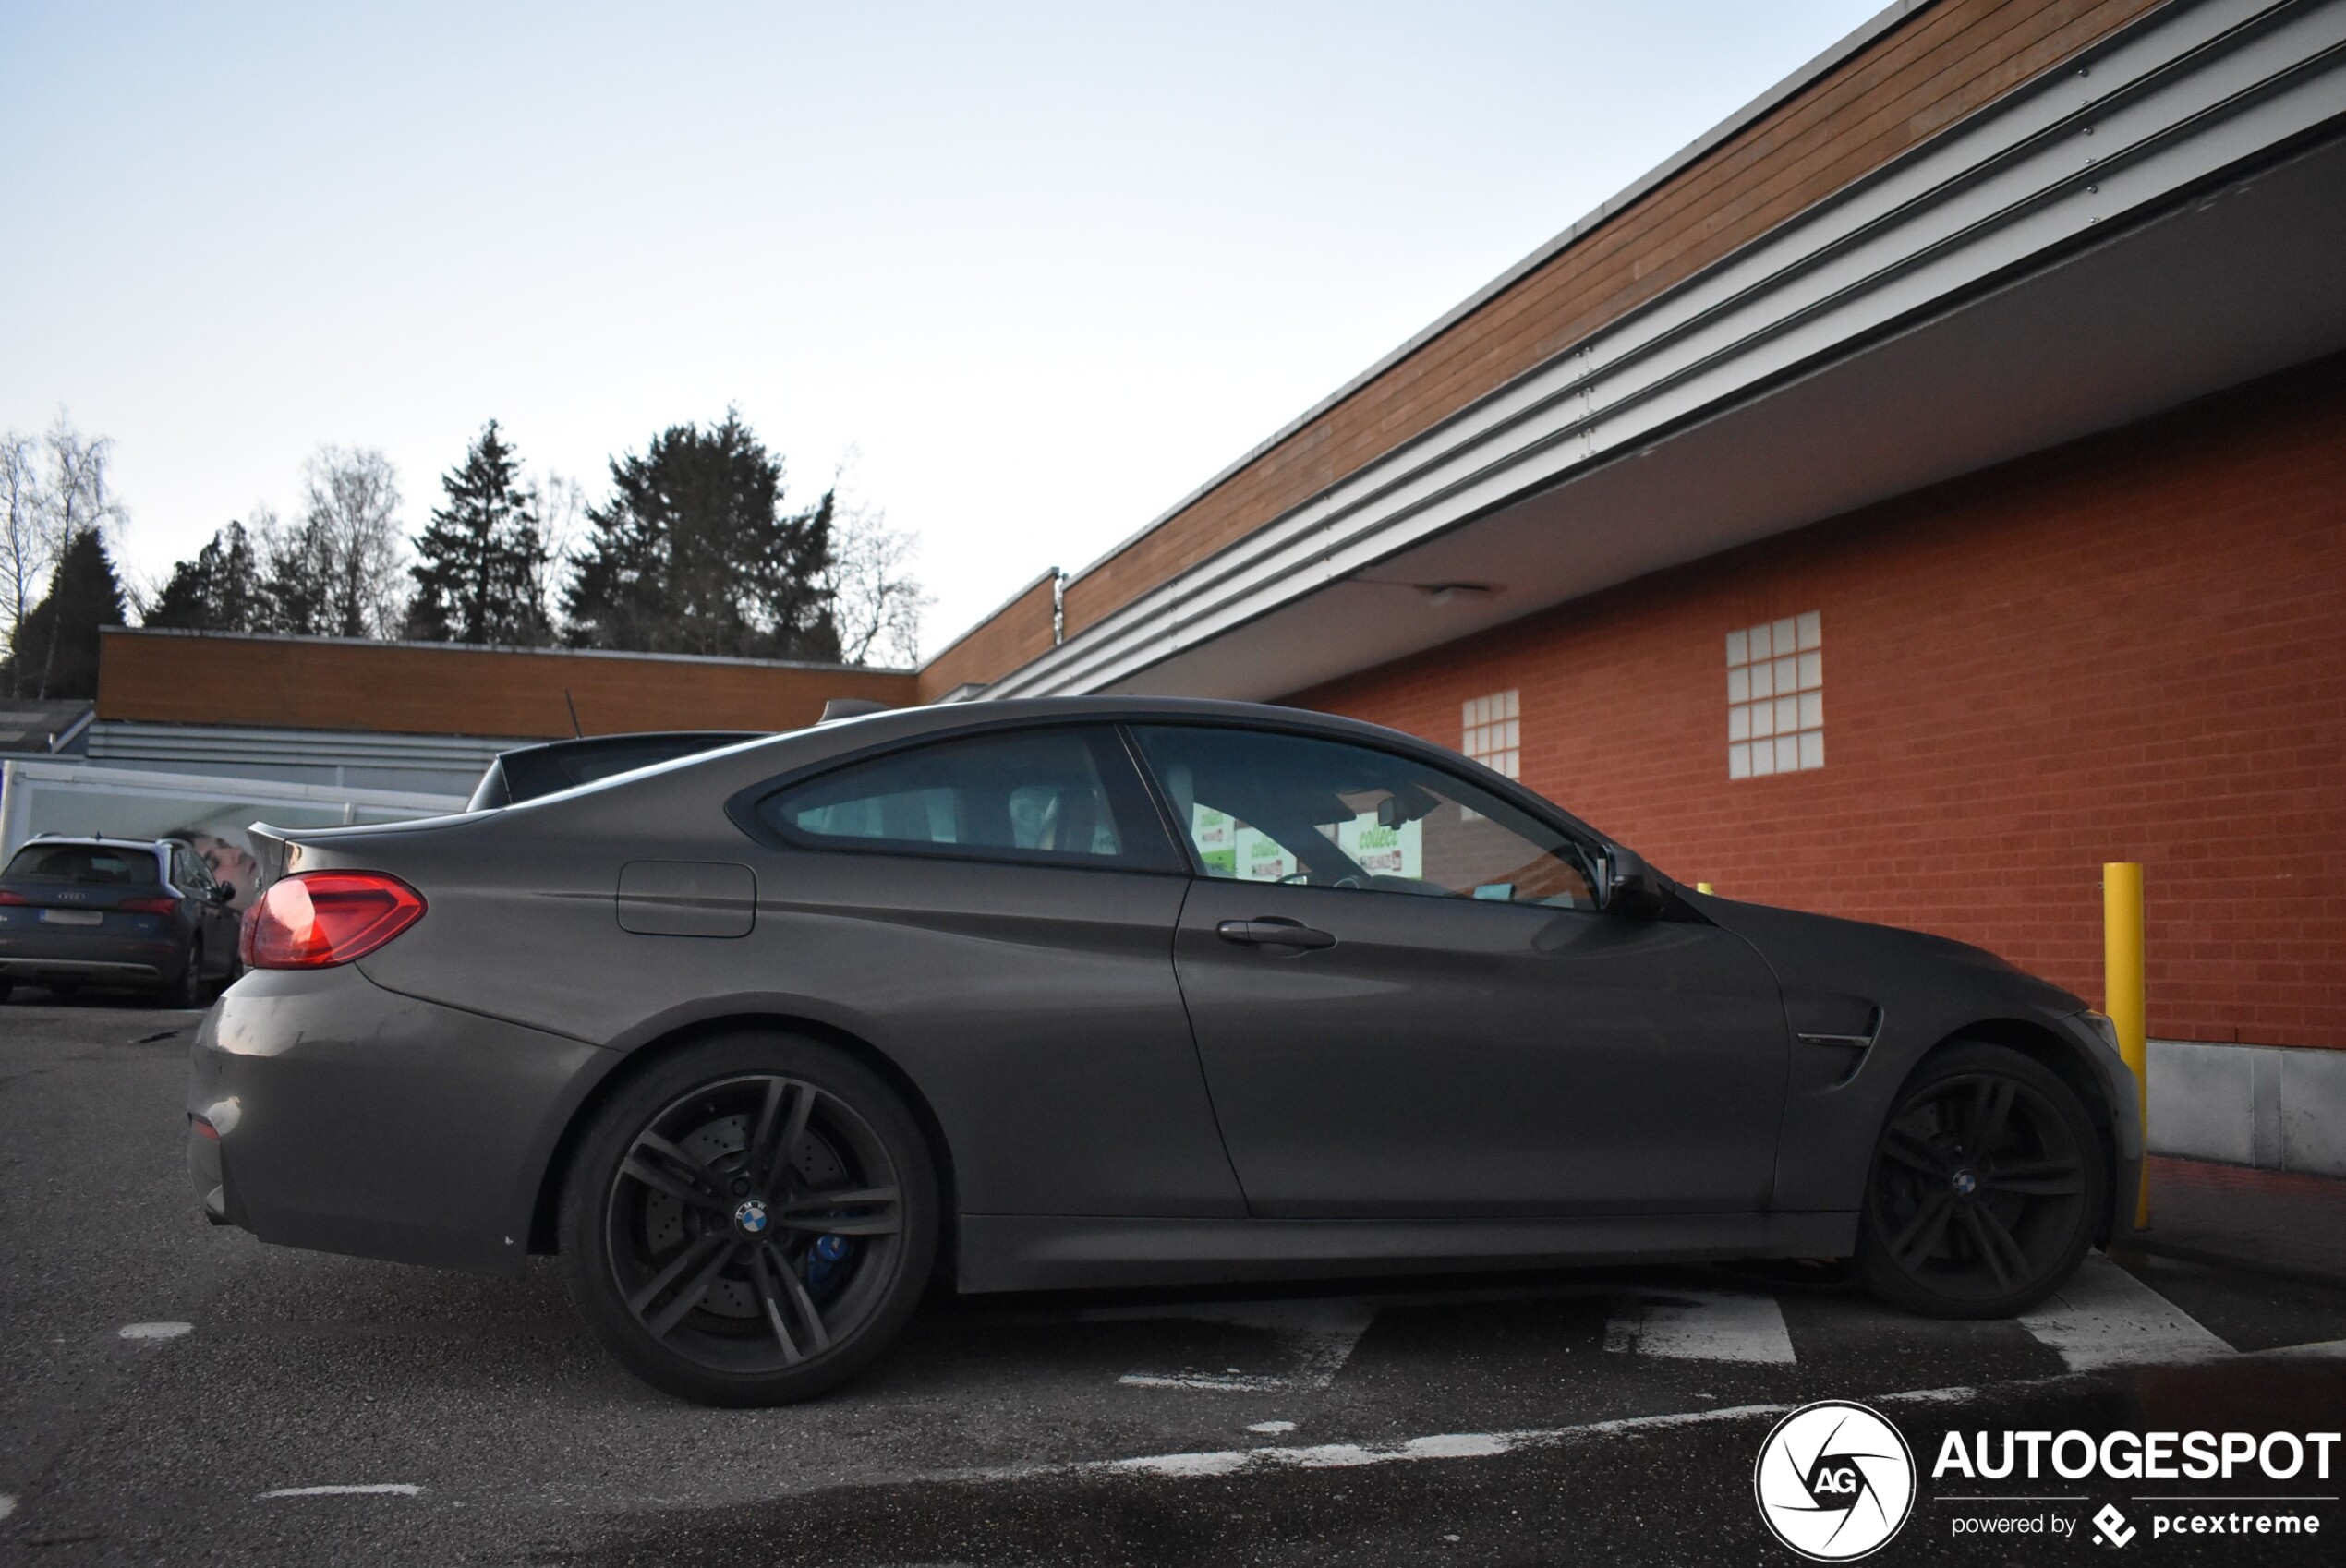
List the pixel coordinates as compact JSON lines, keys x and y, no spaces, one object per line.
{"x":1835,"y":1481}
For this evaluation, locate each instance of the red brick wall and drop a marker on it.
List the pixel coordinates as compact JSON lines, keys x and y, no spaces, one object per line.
{"x":2132,"y":647}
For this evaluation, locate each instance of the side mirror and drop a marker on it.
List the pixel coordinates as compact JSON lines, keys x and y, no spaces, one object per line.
{"x":1630,"y":884}
{"x":221,"y":893}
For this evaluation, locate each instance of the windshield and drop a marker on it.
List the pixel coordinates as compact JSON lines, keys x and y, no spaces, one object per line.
{"x":100,"y":864}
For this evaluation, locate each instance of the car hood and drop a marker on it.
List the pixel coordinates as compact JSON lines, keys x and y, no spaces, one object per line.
{"x":1824,"y":954}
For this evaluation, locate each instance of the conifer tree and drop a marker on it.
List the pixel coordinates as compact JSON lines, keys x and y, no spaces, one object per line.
{"x":694,"y":554}
{"x":482,"y":556}
{"x":218,"y":589}
{"x":55,"y":651}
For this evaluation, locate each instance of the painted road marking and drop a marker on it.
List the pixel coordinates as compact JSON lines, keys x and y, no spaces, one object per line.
{"x":7,"y":1505}
{"x":379,"y":1488}
{"x":1701,"y":1325}
{"x":1444,"y":1445}
{"x":156,"y":1332}
{"x":1320,"y":1335}
{"x":1271,"y":1428}
{"x":2105,"y":1317}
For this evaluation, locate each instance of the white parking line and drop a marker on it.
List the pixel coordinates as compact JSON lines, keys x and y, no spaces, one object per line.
{"x":7,"y":1505}
{"x":1318,"y":1334}
{"x":2105,"y":1317}
{"x":379,"y":1488}
{"x":1444,"y":1445}
{"x":155,"y":1331}
{"x":1701,"y":1325}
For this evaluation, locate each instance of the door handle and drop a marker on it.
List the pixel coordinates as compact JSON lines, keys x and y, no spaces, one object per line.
{"x":1272,"y":930}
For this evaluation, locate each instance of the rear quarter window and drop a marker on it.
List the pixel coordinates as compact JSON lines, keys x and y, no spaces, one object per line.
{"x":1067,"y":796}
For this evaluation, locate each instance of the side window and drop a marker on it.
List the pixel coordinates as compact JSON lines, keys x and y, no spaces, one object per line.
{"x":1067,"y":796}
{"x":1266,"y":807}
{"x":187,"y":873}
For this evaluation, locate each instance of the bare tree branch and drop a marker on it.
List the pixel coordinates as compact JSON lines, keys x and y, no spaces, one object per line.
{"x":876,"y":600}
{"x":54,"y":488}
{"x":350,"y":520}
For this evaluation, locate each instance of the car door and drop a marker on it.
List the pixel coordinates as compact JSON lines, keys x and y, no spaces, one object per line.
{"x":1408,"y":1004}
{"x":216,"y":925}
{"x":996,"y":912}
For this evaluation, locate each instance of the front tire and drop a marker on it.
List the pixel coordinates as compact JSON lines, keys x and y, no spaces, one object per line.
{"x":1987,"y":1185}
{"x":750,"y":1220}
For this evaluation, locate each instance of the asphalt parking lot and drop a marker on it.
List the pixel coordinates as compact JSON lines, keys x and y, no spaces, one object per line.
{"x":171,"y":1392}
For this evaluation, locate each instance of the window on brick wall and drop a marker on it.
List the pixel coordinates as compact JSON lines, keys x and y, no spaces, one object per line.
{"x":1776,"y":697}
{"x":1494,"y":733}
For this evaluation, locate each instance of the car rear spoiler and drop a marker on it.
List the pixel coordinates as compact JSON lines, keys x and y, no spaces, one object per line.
{"x":270,"y":848}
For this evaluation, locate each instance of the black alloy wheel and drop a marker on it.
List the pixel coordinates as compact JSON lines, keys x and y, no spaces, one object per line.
{"x":750,"y":1221}
{"x":1986,"y":1186}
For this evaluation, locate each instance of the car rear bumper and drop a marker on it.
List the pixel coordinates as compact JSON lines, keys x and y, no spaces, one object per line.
{"x":98,"y":971}
{"x":354,"y":1119}
{"x":98,"y":958}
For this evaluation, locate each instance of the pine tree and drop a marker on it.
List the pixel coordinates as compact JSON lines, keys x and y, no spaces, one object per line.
{"x":218,"y":589}
{"x":296,"y":579}
{"x":692,"y":554}
{"x":483,"y":556}
{"x":56,"y":653}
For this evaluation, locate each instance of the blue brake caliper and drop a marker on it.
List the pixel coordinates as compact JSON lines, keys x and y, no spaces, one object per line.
{"x":822,"y":1260}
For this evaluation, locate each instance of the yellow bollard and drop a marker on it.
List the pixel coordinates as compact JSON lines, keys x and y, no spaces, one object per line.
{"x":2122,"y":991}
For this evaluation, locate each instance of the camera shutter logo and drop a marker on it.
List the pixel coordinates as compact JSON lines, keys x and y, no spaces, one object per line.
{"x":1834,"y":1481}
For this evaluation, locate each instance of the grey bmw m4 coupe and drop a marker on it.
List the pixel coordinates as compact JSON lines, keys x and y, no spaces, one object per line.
{"x":1108,"y":992}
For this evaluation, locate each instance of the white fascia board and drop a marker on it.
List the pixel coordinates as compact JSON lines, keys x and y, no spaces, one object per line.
{"x":2110,"y":136}
{"x":209,"y":787}
{"x":131,"y":739}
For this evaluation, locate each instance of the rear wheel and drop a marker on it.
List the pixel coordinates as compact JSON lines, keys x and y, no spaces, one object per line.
{"x":1985,"y":1188}
{"x":750,"y":1220}
{"x":189,"y":990}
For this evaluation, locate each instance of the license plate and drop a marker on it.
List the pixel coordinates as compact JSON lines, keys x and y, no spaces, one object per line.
{"x":71,"y":917}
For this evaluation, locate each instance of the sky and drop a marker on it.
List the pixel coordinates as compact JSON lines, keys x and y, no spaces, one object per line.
{"x":1031,"y":273}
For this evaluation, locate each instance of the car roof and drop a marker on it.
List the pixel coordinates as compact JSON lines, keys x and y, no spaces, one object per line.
{"x":968,"y":715}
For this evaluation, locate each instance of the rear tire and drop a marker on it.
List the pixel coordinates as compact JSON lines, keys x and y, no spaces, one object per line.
{"x":189,"y":990}
{"x":750,"y":1221}
{"x":1986,"y":1186}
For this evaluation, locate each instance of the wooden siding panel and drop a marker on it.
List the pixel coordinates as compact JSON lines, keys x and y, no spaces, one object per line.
{"x":407,"y":688}
{"x":1017,"y":633}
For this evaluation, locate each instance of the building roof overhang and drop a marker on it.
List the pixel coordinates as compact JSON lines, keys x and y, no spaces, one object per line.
{"x":2157,"y":218}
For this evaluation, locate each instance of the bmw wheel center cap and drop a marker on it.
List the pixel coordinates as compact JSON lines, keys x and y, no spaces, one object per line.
{"x":749,"y":1216}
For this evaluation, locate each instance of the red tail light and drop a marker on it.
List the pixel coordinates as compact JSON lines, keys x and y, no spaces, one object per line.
{"x":149,"y":906}
{"x":319,"y":918}
{"x":8,"y":897}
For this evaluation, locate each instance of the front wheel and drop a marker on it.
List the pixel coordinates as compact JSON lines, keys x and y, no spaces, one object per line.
{"x":750,"y":1220}
{"x":1986,"y":1188}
